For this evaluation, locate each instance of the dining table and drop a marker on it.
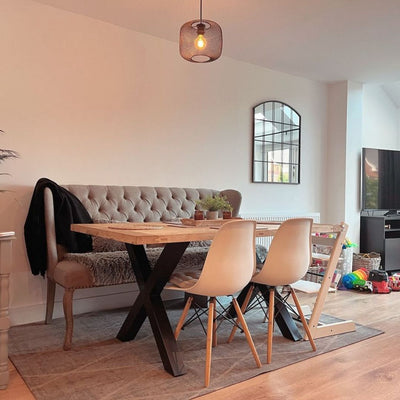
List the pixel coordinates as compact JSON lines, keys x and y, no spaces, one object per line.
{"x":151,"y":280}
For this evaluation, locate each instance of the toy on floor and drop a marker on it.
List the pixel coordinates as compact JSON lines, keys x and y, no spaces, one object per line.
{"x":379,"y":281}
{"x":356,"y":279}
{"x":376,"y":281}
{"x":394,"y":282}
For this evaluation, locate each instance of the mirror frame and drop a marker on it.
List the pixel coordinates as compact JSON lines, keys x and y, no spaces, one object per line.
{"x":293,"y":126}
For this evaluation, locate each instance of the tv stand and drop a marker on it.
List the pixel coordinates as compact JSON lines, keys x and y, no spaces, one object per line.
{"x":390,"y":212}
{"x":381,"y":234}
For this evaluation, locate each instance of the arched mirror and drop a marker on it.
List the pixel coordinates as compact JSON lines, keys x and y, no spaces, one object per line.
{"x":276,"y":143}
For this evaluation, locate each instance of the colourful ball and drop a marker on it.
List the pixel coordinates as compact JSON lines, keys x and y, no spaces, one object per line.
{"x":349,"y":280}
{"x":361,"y":273}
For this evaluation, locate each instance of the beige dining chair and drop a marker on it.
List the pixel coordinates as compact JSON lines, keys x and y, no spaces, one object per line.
{"x":228,"y":268}
{"x":288,"y":259}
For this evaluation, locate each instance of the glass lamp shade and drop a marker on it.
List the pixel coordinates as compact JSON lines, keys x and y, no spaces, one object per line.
{"x":210,"y":47}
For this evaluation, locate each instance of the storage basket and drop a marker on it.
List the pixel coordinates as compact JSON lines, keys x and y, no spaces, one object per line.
{"x":366,"y":260}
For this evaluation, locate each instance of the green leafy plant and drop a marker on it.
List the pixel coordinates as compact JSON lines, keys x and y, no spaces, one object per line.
{"x":215,"y":203}
{"x":5,"y":155}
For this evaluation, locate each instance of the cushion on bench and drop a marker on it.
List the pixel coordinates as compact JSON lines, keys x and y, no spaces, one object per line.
{"x":114,"y":268}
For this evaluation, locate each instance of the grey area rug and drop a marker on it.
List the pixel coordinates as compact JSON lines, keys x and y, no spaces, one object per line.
{"x":100,"y":367}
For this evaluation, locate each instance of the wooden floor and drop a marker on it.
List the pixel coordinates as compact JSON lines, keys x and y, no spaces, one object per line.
{"x":365,"y":370}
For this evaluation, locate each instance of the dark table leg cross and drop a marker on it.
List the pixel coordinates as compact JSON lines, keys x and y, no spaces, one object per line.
{"x":282,"y":316}
{"x":149,"y":304}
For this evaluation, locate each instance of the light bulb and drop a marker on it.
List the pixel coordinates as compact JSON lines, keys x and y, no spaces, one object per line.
{"x":200,"y":42}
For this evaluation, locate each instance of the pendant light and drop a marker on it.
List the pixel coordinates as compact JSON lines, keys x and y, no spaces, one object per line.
{"x":200,"y":40}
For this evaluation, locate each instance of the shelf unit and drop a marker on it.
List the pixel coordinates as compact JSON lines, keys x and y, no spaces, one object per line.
{"x":381,"y":234}
{"x":6,"y":239}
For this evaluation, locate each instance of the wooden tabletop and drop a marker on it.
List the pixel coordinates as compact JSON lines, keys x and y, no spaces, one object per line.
{"x":160,"y":232}
{"x":157,"y":232}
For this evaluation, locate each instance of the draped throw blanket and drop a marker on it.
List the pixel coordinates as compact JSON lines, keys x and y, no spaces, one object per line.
{"x":67,"y":210}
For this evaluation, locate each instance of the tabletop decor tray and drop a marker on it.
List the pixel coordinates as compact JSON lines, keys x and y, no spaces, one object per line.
{"x":140,"y":226}
{"x":206,"y":222}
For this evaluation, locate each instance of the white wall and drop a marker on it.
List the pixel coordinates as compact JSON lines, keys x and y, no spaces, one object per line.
{"x":380,"y":119}
{"x":335,"y":162}
{"x":353,"y":171}
{"x":344,"y":144}
{"x":358,"y":116}
{"x":84,"y":101}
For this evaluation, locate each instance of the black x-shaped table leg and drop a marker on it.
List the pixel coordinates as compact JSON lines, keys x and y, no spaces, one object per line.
{"x":282,"y":316}
{"x":149,"y":304}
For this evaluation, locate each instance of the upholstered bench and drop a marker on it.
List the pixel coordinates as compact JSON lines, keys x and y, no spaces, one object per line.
{"x":114,"y":267}
{"x":108,"y":263}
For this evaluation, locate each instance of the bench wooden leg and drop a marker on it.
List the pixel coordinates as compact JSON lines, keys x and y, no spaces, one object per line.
{"x":51,"y":291}
{"x":69,"y":318}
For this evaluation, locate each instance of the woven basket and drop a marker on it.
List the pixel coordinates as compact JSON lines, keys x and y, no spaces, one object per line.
{"x":366,"y":260}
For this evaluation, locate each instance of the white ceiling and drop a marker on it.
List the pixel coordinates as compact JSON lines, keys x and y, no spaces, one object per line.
{"x":325,"y":40}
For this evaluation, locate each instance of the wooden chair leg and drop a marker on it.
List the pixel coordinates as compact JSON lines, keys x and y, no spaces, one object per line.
{"x":69,"y":317}
{"x":210,"y":330}
{"x":51,"y":291}
{"x":215,"y":337}
{"x":265,"y":317}
{"x":243,"y":309}
{"x":303,"y":320}
{"x":271,"y":308}
{"x":183,"y":317}
{"x":247,"y":332}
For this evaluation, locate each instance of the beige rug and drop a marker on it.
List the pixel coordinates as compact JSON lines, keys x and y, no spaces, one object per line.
{"x":99,"y":367}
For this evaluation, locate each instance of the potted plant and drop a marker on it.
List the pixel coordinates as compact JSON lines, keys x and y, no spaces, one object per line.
{"x":6,"y":154}
{"x":227,"y":211}
{"x":212,"y":205}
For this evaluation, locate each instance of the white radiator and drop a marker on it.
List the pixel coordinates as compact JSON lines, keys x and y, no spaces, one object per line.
{"x":266,"y":241}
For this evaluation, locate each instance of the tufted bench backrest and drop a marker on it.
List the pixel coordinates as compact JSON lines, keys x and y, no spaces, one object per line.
{"x":144,"y":203}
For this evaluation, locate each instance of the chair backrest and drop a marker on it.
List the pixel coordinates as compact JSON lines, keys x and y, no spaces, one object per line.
{"x":230,"y":262}
{"x":289,"y":255}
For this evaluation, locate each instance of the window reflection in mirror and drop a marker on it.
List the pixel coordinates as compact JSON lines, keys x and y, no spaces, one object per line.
{"x":276,"y":143}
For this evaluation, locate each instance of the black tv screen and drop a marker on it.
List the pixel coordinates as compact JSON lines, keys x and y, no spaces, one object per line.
{"x":381,"y":179}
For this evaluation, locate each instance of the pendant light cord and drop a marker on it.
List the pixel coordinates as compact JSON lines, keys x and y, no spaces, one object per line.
{"x":201,"y":11}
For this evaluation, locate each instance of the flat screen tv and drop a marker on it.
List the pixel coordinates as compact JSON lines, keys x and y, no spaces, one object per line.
{"x":380,"y":180}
